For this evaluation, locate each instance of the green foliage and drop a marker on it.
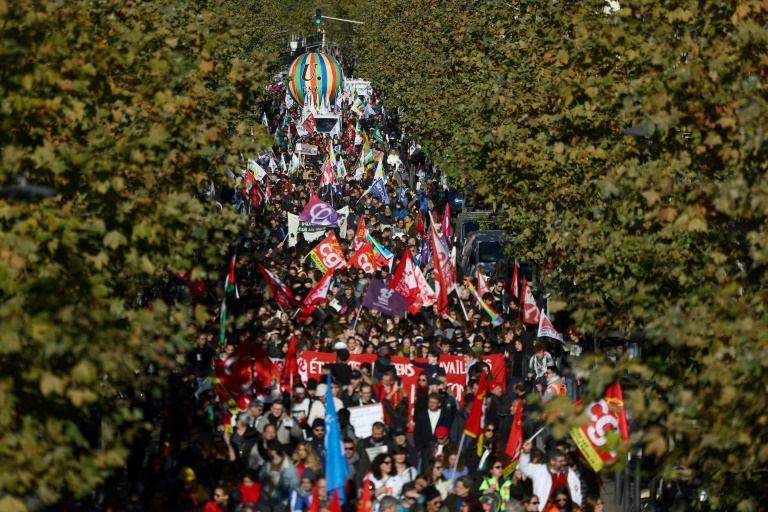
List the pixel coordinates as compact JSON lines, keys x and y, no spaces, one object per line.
{"x":664,"y":233}
{"x":128,"y":109}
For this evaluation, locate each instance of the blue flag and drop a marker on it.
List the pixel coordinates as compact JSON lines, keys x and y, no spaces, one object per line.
{"x":401,"y":196}
{"x":336,"y":469}
{"x":379,"y":190}
{"x":424,"y":201}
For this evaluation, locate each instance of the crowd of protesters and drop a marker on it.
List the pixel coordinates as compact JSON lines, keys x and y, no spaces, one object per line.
{"x":272,"y":455}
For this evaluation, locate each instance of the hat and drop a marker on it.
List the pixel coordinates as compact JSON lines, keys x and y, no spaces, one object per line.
{"x":383,"y":351}
{"x":322,"y":390}
{"x":433,"y":381}
{"x":257,"y":403}
{"x":319,"y":422}
{"x":493,"y":385}
{"x":312,"y":384}
{"x":441,"y":431}
{"x":340,"y":345}
{"x":356,"y":374}
{"x":398,"y":431}
{"x":309,"y":474}
{"x":186,"y":474}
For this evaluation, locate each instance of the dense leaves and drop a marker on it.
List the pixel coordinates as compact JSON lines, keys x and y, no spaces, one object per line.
{"x":128,"y":109}
{"x":662,"y":233}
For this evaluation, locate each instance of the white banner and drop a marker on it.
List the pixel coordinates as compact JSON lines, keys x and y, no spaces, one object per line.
{"x":362,"y":418}
{"x":310,"y":232}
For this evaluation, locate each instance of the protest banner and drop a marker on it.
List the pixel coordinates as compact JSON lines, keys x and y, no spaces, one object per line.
{"x":310,"y":364}
{"x":310,"y":232}
{"x":306,"y":149}
{"x":362,"y":418}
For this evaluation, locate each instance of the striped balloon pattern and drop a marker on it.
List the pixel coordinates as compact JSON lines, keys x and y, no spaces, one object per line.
{"x":317,"y":75}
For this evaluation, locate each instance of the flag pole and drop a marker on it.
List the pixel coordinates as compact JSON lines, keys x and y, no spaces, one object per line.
{"x":456,"y":462}
{"x":463,"y":309}
{"x":357,"y":317}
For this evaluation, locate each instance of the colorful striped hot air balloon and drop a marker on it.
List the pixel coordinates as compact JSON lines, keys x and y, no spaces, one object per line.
{"x":316,"y":74}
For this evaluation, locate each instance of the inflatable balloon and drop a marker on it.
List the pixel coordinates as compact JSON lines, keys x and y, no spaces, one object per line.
{"x":317,"y":75}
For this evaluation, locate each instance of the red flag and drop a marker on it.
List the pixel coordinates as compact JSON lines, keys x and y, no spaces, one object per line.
{"x":530,"y":309}
{"x":514,"y":286}
{"x":515,"y":441}
{"x":233,"y":376}
{"x":327,"y":255}
{"x":314,"y":505}
{"x":291,"y":359}
{"x":420,"y":225}
{"x":265,"y":373}
{"x":320,"y":291}
{"x":608,"y":413}
{"x":252,"y":189}
{"x":268,"y":193}
{"x":482,"y":284}
{"x":445,"y":272}
{"x":310,"y":124}
{"x":447,"y":221}
{"x":328,"y":177}
{"x":280,"y":291}
{"x":335,"y":505}
{"x":196,"y":287}
{"x":404,"y":283}
{"x":476,"y":418}
{"x":365,"y":504}
{"x":364,"y":258}
{"x":359,"y":238}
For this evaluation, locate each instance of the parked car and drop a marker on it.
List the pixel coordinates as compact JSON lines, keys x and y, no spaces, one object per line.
{"x":467,"y":223}
{"x":481,"y":249}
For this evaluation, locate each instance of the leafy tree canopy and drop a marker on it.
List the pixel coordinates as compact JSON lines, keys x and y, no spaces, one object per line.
{"x":663,"y":233}
{"x":128,"y":109}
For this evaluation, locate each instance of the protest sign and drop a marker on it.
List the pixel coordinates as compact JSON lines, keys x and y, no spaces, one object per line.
{"x":306,"y":149}
{"x":310,"y":232}
{"x":362,"y":418}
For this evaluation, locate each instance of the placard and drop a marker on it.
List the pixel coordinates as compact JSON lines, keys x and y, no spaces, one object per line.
{"x":306,"y":149}
{"x":363,"y":417}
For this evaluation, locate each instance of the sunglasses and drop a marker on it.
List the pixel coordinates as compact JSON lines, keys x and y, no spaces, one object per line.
{"x":498,"y":466}
{"x":534,"y":503}
{"x":490,"y":430}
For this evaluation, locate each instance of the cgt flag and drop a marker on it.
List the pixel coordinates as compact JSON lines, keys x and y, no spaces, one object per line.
{"x":327,"y":255}
{"x":607,"y":414}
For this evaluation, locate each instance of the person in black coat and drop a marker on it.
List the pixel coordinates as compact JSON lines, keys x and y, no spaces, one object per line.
{"x":424,"y":419}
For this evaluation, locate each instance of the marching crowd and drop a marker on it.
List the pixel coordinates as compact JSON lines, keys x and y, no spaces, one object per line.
{"x":273,"y":454}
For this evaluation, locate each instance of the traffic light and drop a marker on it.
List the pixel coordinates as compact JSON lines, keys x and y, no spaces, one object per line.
{"x":318,"y":17}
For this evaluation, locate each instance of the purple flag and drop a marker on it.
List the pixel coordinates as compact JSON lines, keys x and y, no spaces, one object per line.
{"x":426,"y":253}
{"x":384,"y":299}
{"x":320,"y":213}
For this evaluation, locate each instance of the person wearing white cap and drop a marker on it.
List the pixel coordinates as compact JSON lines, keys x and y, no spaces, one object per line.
{"x":317,"y":409}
